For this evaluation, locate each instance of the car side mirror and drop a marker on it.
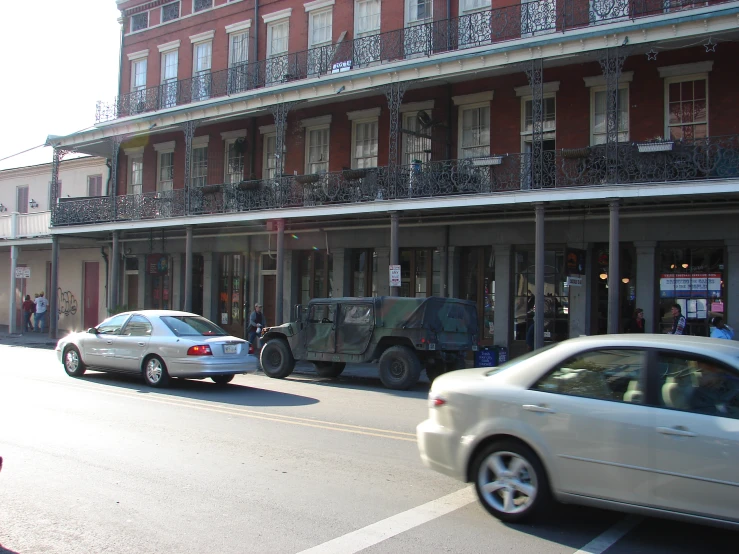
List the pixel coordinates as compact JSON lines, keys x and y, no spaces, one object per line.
{"x":92,"y":331}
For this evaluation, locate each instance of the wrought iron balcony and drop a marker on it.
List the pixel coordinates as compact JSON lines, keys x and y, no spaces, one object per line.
{"x":467,"y":31}
{"x":683,"y":161}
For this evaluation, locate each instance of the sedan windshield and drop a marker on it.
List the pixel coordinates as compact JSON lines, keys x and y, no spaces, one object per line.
{"x":192,"y":326}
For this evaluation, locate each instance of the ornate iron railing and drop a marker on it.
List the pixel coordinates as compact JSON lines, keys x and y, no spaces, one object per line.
{"x":702,"y":159}
{"x":467,"y":31}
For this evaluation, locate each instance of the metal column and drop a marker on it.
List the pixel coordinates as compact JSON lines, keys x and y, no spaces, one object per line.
{"x":54,"y":188}
{"x":444,"y":274}
{"x":115,"y":260}
{"x":189,"y":130}
{"x":394,"y":248}
{"x":539,"y":303}
{"x":279,"y":288}
{"x":614,"y":274}
{"x":535,"y":76}
{"x":188,"y":268}
{"x":115,"y":148}
{"x":394,"y":93}
{"x":12,"y":327}
{"x":611,"y":62}
{"x":54,"y":289}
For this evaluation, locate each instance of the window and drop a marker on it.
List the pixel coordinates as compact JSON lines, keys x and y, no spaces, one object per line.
{"x":364,"y":144}
{"x":417,"y":34}
{"x":364,"y":272}
{"x":136,"y":174}
{"x":609,"y":374}
{"x":549,"y":116}
{"x":165,"y":176}
{"x":475,"y":131}
{"x":169,"y":78}
{"x":319,"y":34}
{"x":192,"y":326}
{"x":94,"y":185}
{"x":316,"y":149}
{"x":474,"y":22}
{"x":415,"y":147}
{"x":417,"y":10}
{"x":322,"y":313}
{"x":366,"y":17}
{"x":202,"y":54}
{"x":170,"y":12}
{"x":687,"y":108}
{"x":701,"y":386}
{"x":277,"y":45}
{"x":137,"y":326}
{"x":200,"y":166}
{"x":270,"y":159}
{"x":138,"y":75}
{"x":357,"y":314}
{"x":316,"y":270}
{"x":234,"y":161}
{"x":139,"y":21}
{"x":21,"y":199}
{"x":200,"y":5}
{"x":477,"y":284}
{"x":112,"y":326}
{"x":599,"y":114}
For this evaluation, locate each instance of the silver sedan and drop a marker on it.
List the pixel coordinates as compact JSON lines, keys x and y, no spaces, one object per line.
{"x":640,"y":423}
{"x":158,"y":344}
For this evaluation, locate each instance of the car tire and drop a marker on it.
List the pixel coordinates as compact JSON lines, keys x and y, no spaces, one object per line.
{"x":276,"y":359}
{"x":222,"y":379}
{"x":155,"y":372}
{"x":400,"y":368}
{"x":510,"y":481}
{"x":330,"y":370}
{"x":72,"y":361}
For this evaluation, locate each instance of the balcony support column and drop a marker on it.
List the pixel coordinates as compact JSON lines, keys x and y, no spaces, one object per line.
{"x":189,"y":129}
{"x":539,"y":302}
{"x":394,"y":93}
{"x":188,"y":268}
{"x":54,"y":289}
{"x":394,"y":247}
{"x":12,"y":320}
{"x":279,"y":286}
{"x":54,"y":188}
{"x":611,"y":62}
{"x":535,"y":76}
{"x":614,"y":275}
{"x":115,"y":148}
{"x":115,"y":264}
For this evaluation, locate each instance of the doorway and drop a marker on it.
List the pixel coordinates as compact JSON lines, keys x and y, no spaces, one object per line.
{"x":269,"y":290}
{"x":91,"y":292}
{"x":20,"y":296}
{"x":198,"y":264}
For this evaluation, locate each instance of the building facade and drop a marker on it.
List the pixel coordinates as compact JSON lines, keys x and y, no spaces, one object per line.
{"x":559,"y":162}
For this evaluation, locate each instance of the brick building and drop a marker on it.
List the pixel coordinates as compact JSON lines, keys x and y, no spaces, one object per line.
{"x":275,"y":151}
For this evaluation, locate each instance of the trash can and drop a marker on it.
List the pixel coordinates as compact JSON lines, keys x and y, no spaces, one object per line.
{"x":486,"y":356}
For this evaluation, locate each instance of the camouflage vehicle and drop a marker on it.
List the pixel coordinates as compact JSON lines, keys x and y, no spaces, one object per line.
{"x":406,"y":335}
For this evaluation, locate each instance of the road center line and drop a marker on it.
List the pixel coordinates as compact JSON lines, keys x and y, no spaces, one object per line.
{"x":394,"y":525}
{"x":610,"y":536}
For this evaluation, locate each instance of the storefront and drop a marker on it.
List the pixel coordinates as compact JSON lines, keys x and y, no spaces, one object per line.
{"x":316,"y":274}
{"x":159,"y":273}
{"x":477,"y":284}
{"x":420,"y":272}
{"x":232,"y":308}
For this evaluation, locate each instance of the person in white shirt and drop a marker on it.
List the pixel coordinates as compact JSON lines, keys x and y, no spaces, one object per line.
{"x":40,"y":316}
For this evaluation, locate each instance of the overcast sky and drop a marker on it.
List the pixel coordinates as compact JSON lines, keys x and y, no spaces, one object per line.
{"x":60,"y":58}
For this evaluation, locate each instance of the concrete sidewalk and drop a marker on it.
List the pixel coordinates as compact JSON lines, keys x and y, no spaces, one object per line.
{"x":32,"y":340}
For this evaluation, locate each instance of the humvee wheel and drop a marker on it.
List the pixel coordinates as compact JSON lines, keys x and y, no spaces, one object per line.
{"x":400,"y":368}
{"x":276,"y":359}
{"x":330,"y":370}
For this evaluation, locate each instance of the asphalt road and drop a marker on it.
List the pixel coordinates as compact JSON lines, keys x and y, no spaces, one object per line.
{"x":105,"y":464}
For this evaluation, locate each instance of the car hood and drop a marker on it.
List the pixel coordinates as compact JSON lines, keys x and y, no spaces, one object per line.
{"x":461,"y":378}
{"x":287,"y":329}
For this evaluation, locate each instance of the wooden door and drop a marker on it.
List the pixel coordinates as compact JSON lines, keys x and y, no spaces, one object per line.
{"x":133,"y":292}
{"x":90,"y":317}
{"x":269,"y":290}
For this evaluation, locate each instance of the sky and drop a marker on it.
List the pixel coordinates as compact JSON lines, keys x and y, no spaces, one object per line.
{"x":61,"y":57}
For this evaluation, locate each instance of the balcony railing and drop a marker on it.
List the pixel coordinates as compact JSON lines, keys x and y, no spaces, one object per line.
{"x":468,"y":31}
{"x":16,"y":225}
{"x":698,"y":160}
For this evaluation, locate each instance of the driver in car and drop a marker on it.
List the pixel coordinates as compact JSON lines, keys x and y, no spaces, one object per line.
{"x":717,"y":392}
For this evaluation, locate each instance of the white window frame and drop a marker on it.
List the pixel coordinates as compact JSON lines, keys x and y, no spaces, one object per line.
{"x":135,"y":156}
{"x":361,"y":121}
{"x":231,"y":39}
{"x":135,"y":63}
{"x":405,"y":155}
{"x":603,"y":88}
{"x":192,"y":11}
{"x":407,"y":11}
{"x":229,"y":139}
{"x":100,"y":176}
{"x":179,"y":11}
{"x":371,"y":32}
{"x":311,"y":22}
{"x":308,"y":129}
{"x":460,"y":127}
{"x":265,"y":157}
{"x":199,"y":75}
{"x":680,"y":79}
{"x":549,"y":134}
{"x":200,"y":142}
{"x":270,"y":29}
{"x":148,"y":20}
{"x":161,"y":149}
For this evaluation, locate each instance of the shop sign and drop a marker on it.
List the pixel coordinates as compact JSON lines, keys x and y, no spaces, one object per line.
{"x":575,"y":261}
{"x":395,"y":276}
{"x":157,"y":264}
{"x":22,"y":272}
{"x":574,"y":280}
{"x":678,"y":285}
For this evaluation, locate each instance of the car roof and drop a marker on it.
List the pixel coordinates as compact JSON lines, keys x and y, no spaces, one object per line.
{"x":653,"y":340}
{"x":159,"y":313}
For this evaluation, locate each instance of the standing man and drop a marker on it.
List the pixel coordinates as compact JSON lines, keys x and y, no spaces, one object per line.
{"x":28,"y":309}
{"x":256,"y":323}
{"x":678,"y":321}
{"x":41,"y":306}
{"x":719,"y":329}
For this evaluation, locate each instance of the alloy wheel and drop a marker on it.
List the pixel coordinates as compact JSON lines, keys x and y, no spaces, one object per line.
{"x":507,"y":482}
{"x":154,"y":370}
{"x":71,"y":360}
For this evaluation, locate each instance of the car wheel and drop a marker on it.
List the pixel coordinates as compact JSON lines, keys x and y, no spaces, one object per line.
{"x":510,"y":481}
{"x":276,"y":359}
{"x":72,"y":360}
{"x":155,"y":372}
{"x":330,"y":370}
{"x":222,"y":379}
{"x":400,"y":368}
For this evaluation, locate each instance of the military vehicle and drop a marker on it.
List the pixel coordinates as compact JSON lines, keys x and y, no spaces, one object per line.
{"x":406,"y":335}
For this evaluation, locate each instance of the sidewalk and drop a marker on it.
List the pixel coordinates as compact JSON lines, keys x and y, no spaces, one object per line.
{"x":32,"y":340}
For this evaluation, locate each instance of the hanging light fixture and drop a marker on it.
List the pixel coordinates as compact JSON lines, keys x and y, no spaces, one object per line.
{"x":604,"y":275}
{"x":685,"y":266}
{"x":625,"y":280}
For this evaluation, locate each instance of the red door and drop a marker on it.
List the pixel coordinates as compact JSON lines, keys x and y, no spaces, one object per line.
{"x":92,"y":292}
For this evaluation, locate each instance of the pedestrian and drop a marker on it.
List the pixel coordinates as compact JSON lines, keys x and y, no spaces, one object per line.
{"x":41,"y":306}
{"x":719,"y":329}
{"x":256,"y":324}
{"x":29,"y":308}
{"x":637,"y":323}
{"x":678,"y":321}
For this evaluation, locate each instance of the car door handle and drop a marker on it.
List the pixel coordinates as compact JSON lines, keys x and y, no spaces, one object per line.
{"x":678,"y":431}
{"x":142,"y":344}
{"x":538,"y":408}
{"x":108,"y":342}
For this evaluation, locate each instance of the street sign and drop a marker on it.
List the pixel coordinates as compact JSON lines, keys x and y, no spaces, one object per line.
{"x":574,"y":280}
{"x":394,"y":275}
{"x":22,"y":272}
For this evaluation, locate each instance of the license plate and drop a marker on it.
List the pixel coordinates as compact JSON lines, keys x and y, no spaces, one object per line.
{"x":230,"y":349}
{"x":432,"y":346}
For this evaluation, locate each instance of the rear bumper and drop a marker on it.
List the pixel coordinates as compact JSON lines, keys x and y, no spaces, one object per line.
{"x":208,"y":366}
{"x":439,"y":449}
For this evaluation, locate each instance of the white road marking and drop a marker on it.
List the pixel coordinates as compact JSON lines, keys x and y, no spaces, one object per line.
{"x":610,"y":536}
{"x":395,"y":525}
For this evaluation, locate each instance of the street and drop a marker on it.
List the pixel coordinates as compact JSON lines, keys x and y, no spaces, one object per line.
{"x":105,"y":464}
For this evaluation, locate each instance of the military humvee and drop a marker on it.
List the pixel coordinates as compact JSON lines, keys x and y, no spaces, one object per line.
{"x":406,"y":335}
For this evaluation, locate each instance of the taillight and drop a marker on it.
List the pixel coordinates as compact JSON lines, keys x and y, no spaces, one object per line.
{"x":436,"y":400}
{"x":199,"y":350}
{"x":251,"y":348}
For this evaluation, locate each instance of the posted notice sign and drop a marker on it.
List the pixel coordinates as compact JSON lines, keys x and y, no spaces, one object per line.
{"x":394,"y":275}
{"x":22,"y":272}
{"x":677,"y":285}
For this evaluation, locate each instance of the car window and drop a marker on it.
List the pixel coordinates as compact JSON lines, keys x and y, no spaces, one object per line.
{"x":137,"y":326}
{"x":357,"y":314}
{"x":322,"y":313}
{"x":607,"y":374}
{"x":192,"y":326}
{"x":112,"y":326}
{"x":699,"y":385}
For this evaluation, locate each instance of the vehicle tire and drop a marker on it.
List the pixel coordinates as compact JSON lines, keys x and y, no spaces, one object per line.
{"x":400,"y":368}
{"x":276,"y":359}
{"x":330,"y":370}
{"x":73,"y":365}
{"x":510,"y":481}
{"x":222,"y":379}
{"x":155,"y":372}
